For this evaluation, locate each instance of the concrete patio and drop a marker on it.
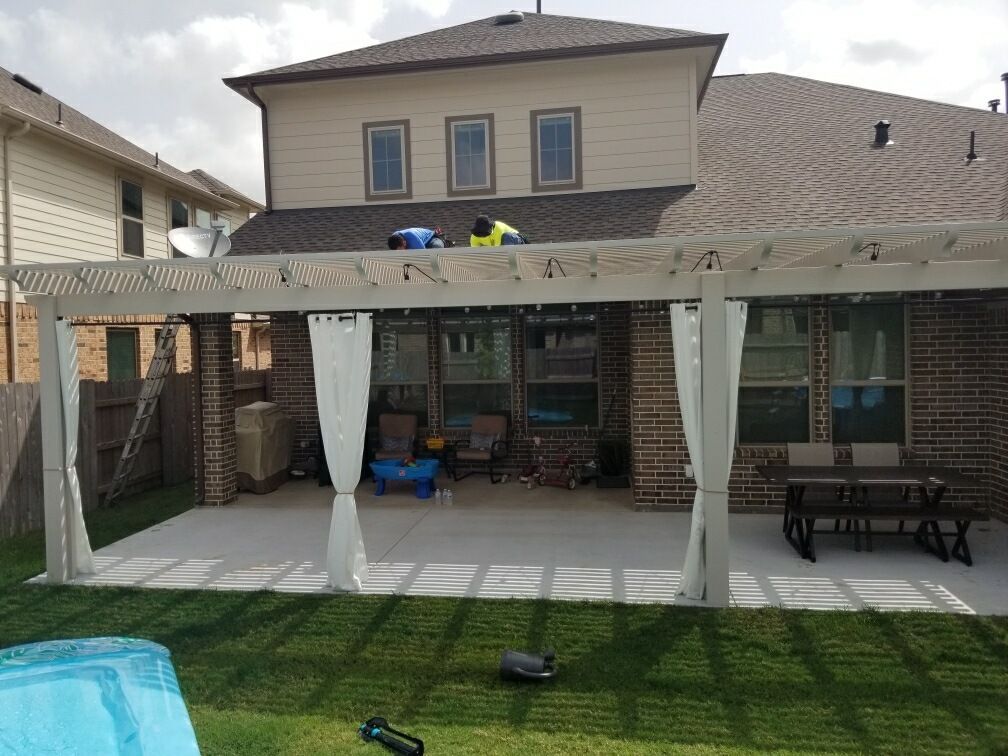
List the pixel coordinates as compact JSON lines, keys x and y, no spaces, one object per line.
{"x":504,"y":541}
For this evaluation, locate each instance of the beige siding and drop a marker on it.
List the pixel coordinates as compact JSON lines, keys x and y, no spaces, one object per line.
{"x":238,"y":217}
{"x":638,"y":125}
{"x":3,"y":217}
{"x":65,"y":204}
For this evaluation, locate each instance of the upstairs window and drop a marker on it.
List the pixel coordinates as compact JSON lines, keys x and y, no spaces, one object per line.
{"x":470,"y":149}
{"x":386,"y":158}
{"x":556,"y":149}
{"x":178,"y":217}
{"x":131,"y":218}
{"x":203,"y":217}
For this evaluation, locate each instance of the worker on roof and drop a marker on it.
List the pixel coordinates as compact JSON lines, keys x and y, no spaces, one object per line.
{"x":417,"y":238}
{"x":487,"y":232}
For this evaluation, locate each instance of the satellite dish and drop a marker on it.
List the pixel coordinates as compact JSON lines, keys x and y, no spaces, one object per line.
{"x":194,"y":241}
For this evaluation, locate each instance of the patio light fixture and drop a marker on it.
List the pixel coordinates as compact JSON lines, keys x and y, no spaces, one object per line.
{"x":875,"y":247}
{"x":548,"y":273}
{"x":406,"y":275}
{"x":710,"y":256}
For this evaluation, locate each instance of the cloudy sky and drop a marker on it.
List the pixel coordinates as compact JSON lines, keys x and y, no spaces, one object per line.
{"x":151,"y":70}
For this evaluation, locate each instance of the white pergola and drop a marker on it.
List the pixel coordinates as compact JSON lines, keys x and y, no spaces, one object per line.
{"x":935,"y":257}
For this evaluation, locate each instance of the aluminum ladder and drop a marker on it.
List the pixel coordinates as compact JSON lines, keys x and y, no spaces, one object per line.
{"x":146,"y":406}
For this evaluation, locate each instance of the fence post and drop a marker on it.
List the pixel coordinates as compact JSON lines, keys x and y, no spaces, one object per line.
{"x":87,"y":446}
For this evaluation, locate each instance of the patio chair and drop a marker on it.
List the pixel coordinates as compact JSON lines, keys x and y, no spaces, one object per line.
{"x":397,"y":435}
{"x":488,"y":445}
{"x":879,"y":455}
{"x":813,"y":455}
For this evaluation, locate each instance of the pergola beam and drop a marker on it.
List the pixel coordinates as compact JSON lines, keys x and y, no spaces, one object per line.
{"x":852,"y":279}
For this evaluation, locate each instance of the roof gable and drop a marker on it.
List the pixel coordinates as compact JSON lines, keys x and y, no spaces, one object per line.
{"x":536,"y":36}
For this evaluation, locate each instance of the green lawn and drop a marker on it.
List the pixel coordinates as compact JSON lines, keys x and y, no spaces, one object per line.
{"x":266,"y":673}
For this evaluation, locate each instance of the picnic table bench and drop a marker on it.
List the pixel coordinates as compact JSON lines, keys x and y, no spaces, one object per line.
{"x":853,"y":495}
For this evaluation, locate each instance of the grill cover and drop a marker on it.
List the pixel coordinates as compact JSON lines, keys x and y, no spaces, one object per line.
{"x":265,"y":439}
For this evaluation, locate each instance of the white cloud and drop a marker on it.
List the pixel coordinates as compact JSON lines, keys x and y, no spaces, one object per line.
{"x":161,"y":87}
{"x":10,"y":36}
{"x":948,"y":51}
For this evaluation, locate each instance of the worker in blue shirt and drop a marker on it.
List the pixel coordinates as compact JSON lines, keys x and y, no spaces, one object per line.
{"x":416,"y":238}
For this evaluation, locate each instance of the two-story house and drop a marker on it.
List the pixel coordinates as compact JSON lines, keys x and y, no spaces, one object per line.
{"x":71,"y":189}
{"x":576,"y":129}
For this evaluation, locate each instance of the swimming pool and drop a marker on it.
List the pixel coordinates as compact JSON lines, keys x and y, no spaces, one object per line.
{"x":115,"y":696}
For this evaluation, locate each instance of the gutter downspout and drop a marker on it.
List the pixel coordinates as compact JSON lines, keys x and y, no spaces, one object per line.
{"x":12,"y":340}
{"x":265,"y":139}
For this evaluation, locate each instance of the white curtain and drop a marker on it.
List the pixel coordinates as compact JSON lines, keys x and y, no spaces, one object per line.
{"x":341,"y":353}
{"x":878,"y":367}
{"x":66,"y":343}
{"x":686,"y":343}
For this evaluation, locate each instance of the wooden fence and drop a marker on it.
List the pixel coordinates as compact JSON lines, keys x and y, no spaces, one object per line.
{"x":106,"y":414}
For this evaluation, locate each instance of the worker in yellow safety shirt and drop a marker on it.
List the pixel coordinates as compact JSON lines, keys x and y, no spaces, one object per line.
{"x":487,"y":232}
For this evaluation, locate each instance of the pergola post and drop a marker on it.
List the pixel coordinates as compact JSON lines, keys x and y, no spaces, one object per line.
{"x":217,"y":434}
{"x":58,"y":539}
{"x":716,"y":457}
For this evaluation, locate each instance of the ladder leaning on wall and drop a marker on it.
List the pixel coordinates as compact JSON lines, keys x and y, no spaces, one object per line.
{"x":146,"y":406}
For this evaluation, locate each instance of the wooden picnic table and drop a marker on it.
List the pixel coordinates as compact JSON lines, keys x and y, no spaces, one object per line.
{"x":856,"y":497}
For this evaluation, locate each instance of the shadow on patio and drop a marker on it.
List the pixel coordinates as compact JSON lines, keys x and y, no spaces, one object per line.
{"x":506,"y":542}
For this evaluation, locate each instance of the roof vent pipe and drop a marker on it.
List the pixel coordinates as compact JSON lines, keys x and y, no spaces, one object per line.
{"x":38,"y":90}
{"x":1004,"y":78}
{"x":59,"y":113}
{"x":512,"y":17}
{"x":993,"y":105}
{"x":882,"y":133}
{"x":972,"y":154}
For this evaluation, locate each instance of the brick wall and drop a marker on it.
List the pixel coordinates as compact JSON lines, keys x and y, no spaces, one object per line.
{"x":997,"y":418}
{"x":91,"y":339}
{"x":949,"y":376}
{"x":958,"y":406}
{"x":217,"y":426}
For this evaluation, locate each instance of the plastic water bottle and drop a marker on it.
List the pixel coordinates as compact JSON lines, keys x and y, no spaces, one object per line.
{"x":437,"y":497}
{"x":449,"y":497}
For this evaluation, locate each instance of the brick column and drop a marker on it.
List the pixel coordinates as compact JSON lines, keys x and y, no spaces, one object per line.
{"x":819,"y":399}
{"x":217,"y":429}
{"x":659,"y":444}
{"x":293,"y":380}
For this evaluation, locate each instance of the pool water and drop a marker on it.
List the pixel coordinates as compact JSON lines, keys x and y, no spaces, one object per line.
{"x":108,"y":696}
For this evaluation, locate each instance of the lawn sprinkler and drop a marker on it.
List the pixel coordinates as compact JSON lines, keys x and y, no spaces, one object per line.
{"x":377,"y":729}
{"x":516,"y":665}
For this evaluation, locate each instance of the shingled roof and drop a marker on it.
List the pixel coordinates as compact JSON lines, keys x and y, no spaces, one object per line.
{"x":537,"y":36}
{"x":46,"y":108}
{"x":776,"y":152}
{"x":218,"y":187}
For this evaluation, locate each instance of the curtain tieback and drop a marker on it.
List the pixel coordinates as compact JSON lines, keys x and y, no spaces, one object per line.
{"x":713,"y":490}
{"x":344,"y":493}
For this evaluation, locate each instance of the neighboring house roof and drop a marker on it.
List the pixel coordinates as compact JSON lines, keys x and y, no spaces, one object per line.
{"x":538,"y":36}
{"x":19,"y":101}
{"x":218,"y":187}
{"x":776,"y":152}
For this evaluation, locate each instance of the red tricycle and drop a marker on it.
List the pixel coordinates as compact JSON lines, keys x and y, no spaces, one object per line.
{"x":566,"y":475}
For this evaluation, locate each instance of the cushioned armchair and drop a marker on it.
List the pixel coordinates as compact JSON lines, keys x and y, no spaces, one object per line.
{"x":396,"y":436}
{"x":488,"y":445}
